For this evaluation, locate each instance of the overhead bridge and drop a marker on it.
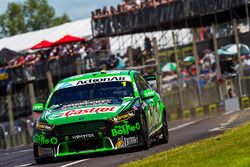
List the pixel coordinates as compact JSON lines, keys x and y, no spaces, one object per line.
{"x":176,"y":15}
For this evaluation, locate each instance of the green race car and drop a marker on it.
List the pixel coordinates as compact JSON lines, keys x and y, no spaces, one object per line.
{"x":98,"y":112}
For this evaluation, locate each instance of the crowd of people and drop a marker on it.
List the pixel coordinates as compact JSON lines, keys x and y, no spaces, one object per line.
{"x":93,"y":55}
{"x":207,"y":68}
{"x":85,"y":50}
{"x":127,"y":6}
{"x":33,"y":57}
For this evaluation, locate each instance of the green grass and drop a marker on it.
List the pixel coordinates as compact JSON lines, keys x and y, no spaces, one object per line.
{"x":229,"y":149}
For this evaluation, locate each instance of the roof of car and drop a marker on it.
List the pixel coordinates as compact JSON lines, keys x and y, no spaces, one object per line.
{"x":98,"y":74}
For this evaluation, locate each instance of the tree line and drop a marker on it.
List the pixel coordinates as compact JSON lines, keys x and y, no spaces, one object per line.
{"x":28,"y":16}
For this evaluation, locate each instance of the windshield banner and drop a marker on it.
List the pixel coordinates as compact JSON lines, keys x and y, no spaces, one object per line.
{"x":92,"y":81}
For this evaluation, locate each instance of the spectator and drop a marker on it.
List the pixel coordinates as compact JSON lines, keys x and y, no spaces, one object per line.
{"x":113,"y":11}
{"x":147,"y":46}
{"x":246,"y":61}
{"x":105,"y":12}
{"x":209,"y":59}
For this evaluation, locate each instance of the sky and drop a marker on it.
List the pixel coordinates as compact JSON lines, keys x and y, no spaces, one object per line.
{"x":75,"y":9}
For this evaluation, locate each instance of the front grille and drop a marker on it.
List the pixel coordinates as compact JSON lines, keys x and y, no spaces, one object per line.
{"x":78,"y":128}
{"x":85,"y":145}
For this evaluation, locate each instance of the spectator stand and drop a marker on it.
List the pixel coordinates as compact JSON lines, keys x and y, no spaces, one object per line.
{"x":208,"y":26}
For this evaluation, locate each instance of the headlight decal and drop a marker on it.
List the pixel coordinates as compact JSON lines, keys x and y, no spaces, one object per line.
{"x":44,"y":127}
{"x":123,"y":117}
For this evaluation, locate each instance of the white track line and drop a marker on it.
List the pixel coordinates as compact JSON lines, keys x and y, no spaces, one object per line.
{"x":217,"y":129}
{"x":24,"y":165}
{"x":223,"y":126}
{"x":184,"y":125}
{"x":73,"y":163}
{"x":229,"y":112}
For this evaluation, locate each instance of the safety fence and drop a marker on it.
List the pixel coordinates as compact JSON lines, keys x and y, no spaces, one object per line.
{"x":210,"y":100}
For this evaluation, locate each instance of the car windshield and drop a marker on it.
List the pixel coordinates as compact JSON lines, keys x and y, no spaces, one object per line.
{"x":107,"y":90}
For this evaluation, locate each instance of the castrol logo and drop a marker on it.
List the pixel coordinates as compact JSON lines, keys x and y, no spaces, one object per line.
{"x":92,"y":110}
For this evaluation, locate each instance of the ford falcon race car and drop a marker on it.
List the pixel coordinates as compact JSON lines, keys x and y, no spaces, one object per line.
{"x":98,"y":112}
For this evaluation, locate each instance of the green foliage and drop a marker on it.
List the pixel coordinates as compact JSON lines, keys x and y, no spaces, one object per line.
{"x":12,"y":22}
{"x":229,"y":149}
{"x":60,"y":20}
{"x":29,"y":16}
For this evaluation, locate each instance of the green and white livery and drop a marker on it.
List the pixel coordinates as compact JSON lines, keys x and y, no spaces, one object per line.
{"x":98,"y":112}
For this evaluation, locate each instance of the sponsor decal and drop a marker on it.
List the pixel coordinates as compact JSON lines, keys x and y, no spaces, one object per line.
{"x":45,"y":152}
{"x":125,"y":129}
{"x":44,"y":126}
{"x":41,"y":139}
{"x":88,"y":103}
{"x":100,"y":80}
{"x":120,"y":143}
{"x":89,"y":111}
{"x":126,"y":141}
{"x":123,"y":117}
{"x":84,"y":136}
{"x":92,"y":81}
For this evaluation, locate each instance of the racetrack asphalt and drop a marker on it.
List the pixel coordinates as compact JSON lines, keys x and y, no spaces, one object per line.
{"x":181,"y":132}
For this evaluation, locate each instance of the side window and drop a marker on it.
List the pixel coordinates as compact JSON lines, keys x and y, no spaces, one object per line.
{"x":141,"y":84}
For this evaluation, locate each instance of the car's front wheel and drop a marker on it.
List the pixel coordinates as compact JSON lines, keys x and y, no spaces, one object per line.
{"x":41,"y":160}
{"x":146,"y":139}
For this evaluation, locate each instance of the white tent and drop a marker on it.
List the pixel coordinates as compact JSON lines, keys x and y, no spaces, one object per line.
{"x":80,"y":28}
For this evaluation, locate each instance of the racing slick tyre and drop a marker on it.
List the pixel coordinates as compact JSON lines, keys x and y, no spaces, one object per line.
{"x":164,"y":130}
{"x":146,"y":139}
{"x":40,"y":160}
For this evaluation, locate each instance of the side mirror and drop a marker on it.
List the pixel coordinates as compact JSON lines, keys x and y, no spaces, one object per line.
{"x":147,"y":94}
{"x":38,"y":107}
{"x":150,"y":77}
{"x":152,"y":81}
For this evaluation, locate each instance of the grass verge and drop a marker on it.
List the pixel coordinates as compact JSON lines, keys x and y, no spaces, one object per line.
{"x":229,"y":149}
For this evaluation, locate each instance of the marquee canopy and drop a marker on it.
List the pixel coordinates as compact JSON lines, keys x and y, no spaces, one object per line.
{"x":42,"y":44}
{"x":80,"y":28}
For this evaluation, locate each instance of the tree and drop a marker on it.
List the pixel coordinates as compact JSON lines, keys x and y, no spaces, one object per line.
{"x":29,"y":16}
{"x":60,"y":20}
{"x":12,"y":22}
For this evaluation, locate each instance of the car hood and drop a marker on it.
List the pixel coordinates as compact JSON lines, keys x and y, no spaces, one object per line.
{"x":84,"y":113}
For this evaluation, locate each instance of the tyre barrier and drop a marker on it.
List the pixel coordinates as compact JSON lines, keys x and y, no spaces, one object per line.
{"x":197,"y":111}
{"x":244,"y":102}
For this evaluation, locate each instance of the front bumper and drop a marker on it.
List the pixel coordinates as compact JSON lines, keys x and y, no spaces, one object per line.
{"x":87,"y":138}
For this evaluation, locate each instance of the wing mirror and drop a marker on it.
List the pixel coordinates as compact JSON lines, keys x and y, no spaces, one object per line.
{"x":38,"y":107}
{"x":147,"y":94}
{"x":152,"y":81}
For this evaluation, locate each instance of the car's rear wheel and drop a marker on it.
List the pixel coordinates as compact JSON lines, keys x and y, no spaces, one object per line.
{"x":164,"y":130}
{"x":146,"y":139}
